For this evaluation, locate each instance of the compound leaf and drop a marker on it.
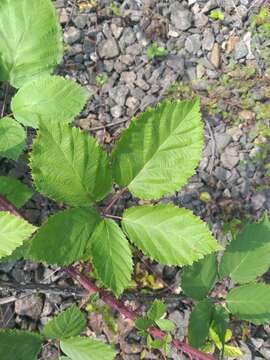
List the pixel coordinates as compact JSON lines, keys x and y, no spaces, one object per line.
{"x":81,"y":348}
{"x":250,"y":302}
{"x":19,"y":345}
{"x":199,"y":279}
{"x":64,"y":237}
{"x":199,"y":323}
{"x":13,"y":232}
{"x":12,"y":137}
{"x":67,"y":324}
{"x":168,"y":234}
{"x":112,"y":258}
{"x":15,"y":191}
{"x":247,"y":256}
{"x":48,"y":98}
{"x":30,"y":40}
{"x":70,"y":166}
{"x":159,"y":151}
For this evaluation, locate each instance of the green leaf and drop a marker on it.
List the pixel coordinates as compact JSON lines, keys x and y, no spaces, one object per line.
{"x":12,"y":137}
{"x":159,"y":151}
{"x":112,"y":258}
{"x":199,"y":323}
{"x":19,"y":253}
{"x":15,"y":191}
{"x":199,"y":279}
{"x":250,"y":302}
{"x":70,"y":166}
{"x":170,"y":235}
{"x":48,"y":98}
{"x":143,"y":323}
{"x":165,"y":325}
{"x":220,"y":324}
{"x":19,"y":345}
{"x":30,"y":40}
{"x":69,"y":323}
{"x":247,"y":256}
{"x":13,"y":232}
{"x":64,"y":237}
{"x":232,"y":351}
{"x":81,"y":348}
{"x":157,"y":310}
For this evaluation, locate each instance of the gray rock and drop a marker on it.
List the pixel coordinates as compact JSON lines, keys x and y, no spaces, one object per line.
{"x":108,"y":49}
{"x":181,"y":17}
{"x":222,"y":140}
{"x":30,"y":306}
{"x":177,"y":63}
{"x":193,"y":43}
{"x":89,"y":46}
{"x":240,"y":50}
{"x":132,"y":103}
{"x":148,"y":100}
{"x":200,"y":20}
{"x":128,"y":37}
{"x":208,"y":39}
{"x":230,"y":158}
{"x":72,"y":35}
{"x":258,"y":201}
{"x":117,"y":111}
{"x":222,"y":174}
{"x":80,"y":21}
{"x":210,"y":5}
{"x":119,"y":94}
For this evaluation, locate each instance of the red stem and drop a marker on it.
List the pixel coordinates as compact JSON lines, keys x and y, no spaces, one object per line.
{"x":131,"y":314}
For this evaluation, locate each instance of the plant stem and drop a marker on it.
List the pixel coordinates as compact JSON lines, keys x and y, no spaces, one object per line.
{"x":88,"y":284}
{"x":5,"y":205}
{"x":112,"y":217}
{"x":114,"y":199}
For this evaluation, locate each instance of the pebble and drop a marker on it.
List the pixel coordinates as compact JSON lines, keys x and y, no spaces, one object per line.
{"x":215,"y":56}
{"x":108,"y":49}
{"x":181,"y":17}
{"x":240,"y":50}
{"x":72,"y":35}
{"x":193,"y":43}
{"x":208,"y":39}
{"x":30,"y":306}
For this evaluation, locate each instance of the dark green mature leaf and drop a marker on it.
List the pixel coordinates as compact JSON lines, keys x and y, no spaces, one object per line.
{"x":199,"y":279}
{"x":159,"y":151}
{"x":81,"y":348}
{"x":64,"y":237}
{"x":247,"y":256}
{"x":70,"y":166}
{"x":168,"y":234}
{"x":30,"y":40}
{"x":250,"y":302}
{"x":220,"y":323}
{"x":143,"y":323}
{"x":111,"y":256}
{"x":67,"y":324}
{"x":13,"y":232}
{"x":157,"y":310}
{"x":15,"y":191}
{"x":12,"y":137}
{"x":199,"y":323}
{"x":19,"y":345}
{"x":48,"y":98}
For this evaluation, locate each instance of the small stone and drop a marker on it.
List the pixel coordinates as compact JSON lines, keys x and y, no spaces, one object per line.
{"x":240,"y":50}
{"x":80,"y":21}
{"x":119,"y":94}
{"x":193,"y":43}
{"x":208,"y":40}
{"x":233,"y":40}
{"x":215,"y":56}
{"x":210,"y":5}
{"x":126,"y":59}
{"x":108,"y":49}
{"x":72,"y":35}
{"x":222,"y":174}
{"x":181,"y":17}
{"x":132,"y":103}
{"x":258,"y":201}
{"x":128,"y":77}
{"x":229,"y":158}
{"x":30,"y":306}
{"x":116,"y":30}
{"x":63,"y":16}
{"x":222,"y":140}
{"x":247,"y":115}
{"x":200,"y":20}
{"x":89,"y":46}
{"x":200,"y":71}
{"x":116,"y":111}
{"x":148,"y":100}
{"x":176,"y":63}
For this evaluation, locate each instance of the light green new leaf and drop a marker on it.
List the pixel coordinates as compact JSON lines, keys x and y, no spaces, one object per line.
{"x":250,"y":302}
{"x":13,"y":232}
{"x":160,"y":150}
{"x":15,"y":191}
{"x":168,"y":234}
{"x":67,"y":324}
{"x":111,"y":256}
{"x":199,"y":323}
{"x":165,"y":325}
{"x":247,"y":256}
{"x":82,"y":348}
{"x":220,"y":324}
{"x":30,"y":40}
{"x":70,"y":166}
{"x":157,"y":310}
{"x":19,"y":253}
{"x":64,"y":237}
{"x":19,"y":345}
{"x":48,"y":98}
{"x":199,"y":279}
{"x":12,"y":138}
